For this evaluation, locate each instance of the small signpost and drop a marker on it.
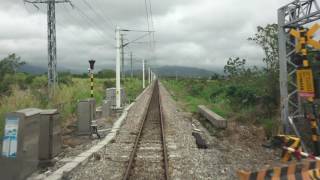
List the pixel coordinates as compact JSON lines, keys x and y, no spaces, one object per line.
{"x":305,"y":83}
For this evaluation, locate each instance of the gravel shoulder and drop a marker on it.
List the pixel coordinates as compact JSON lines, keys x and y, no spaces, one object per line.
{"x":234,"y":149}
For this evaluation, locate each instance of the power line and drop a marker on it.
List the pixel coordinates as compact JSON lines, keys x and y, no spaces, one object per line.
{"x":90,"y":21}
{"x":147,"y":13}
{"x":152,"y":22}
{"x":74,"y":19}
{"x":107,"y":17}
{"x":99,"y":15}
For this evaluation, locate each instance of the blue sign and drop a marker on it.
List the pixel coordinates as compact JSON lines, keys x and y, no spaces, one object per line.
{"x":10,"y":139}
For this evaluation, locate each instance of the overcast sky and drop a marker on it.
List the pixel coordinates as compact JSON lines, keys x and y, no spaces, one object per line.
{"x":195,"y":33}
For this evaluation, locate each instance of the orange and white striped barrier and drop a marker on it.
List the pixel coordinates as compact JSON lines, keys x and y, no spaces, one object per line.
{"x":305,"y":170}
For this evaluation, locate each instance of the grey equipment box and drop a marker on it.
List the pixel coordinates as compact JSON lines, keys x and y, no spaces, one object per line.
{"x":20,"y":145}
{"x":111,"y":96}
{"x":106,"y":108}
{"x":86,"y":113}
{"x":50,"y":135}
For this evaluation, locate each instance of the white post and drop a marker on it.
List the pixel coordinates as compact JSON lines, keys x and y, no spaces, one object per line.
{"x":143,"y":76}
{"x":149,"y":75}
{"x":118,"y":59}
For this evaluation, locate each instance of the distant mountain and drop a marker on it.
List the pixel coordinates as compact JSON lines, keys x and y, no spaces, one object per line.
{"x":37,"y":69}
{"x":32,"y":69}
{"x":183,"y":71}
{"x":180,"y":71}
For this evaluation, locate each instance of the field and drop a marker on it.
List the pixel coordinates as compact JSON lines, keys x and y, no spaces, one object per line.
{"x":66,"y":96}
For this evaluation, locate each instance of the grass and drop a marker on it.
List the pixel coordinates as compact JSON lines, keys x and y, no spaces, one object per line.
{"x":191,"y":101}
{"x":65,"y":99}
{"x":247,"y":101}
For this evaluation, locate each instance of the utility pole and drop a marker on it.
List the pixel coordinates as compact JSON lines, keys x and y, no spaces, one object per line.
{"x":143,"y":76}
{"x":131,"y":64}
{"x":149,"y":75}
{"x":52,"y":47}
{"x":118,"y":58}
{"x":122,"y":57}
{"x":176,"y":76}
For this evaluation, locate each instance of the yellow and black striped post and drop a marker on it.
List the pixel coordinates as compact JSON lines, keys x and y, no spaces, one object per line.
{"x":91,"y":79}
{"x":91,"y":62}
{"x":291,"y":142}
{"x":305,"y":170}
{"x":315,"y":135}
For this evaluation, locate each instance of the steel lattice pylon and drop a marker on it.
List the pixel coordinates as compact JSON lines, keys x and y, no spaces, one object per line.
{"x":293,"y":15}
{"x":52,"y":48}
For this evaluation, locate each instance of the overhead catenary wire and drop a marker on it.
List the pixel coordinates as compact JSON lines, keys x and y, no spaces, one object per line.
{"x":98,"y":7}
{"x":152,"y":23}
{"x":93,"y":23}
{"x":147,"y":15}
{"x":99,"y":15}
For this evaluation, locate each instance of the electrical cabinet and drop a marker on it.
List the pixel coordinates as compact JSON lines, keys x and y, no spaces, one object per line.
{"x":86,"y":113}
{"x":50,"y":141}
{"x":20,"y":145}
{"x":111,"y":96}
{"x":106,"y":108}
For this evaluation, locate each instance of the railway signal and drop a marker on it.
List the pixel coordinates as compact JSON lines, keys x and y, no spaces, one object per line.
{"x":304,"y":79}
{"x":91,"y":63}
{"x":304,"y":36}
{"x":304,"y":74}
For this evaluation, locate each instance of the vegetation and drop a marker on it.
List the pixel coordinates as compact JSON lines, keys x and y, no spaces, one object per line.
{"x":246,"y":94}
{"x":22,"y":90}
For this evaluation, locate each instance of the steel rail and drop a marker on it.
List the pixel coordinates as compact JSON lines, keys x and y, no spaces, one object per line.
{"x":138,"y":137}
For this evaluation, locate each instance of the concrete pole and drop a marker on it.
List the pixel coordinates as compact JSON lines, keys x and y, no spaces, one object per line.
{"x":122,"y":57}
{"x":131,"y":64}
{"x":149,"y":75}
{"x":284,"y":103}
{"x":143,"y":76}
{"x":118,"y":59}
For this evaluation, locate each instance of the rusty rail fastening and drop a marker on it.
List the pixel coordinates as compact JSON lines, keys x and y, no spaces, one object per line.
{"x":130,"y":166}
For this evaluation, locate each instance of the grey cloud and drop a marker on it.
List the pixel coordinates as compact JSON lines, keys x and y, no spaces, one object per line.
{"x":192,"y":33}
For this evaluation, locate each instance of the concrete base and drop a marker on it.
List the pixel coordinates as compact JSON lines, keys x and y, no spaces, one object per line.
{"x":214,"y":118}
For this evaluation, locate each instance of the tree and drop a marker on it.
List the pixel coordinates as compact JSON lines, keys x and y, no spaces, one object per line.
{"x":10,"y":64}
{"x":267,"y":38}
{"x":106,"y":73}
{"x":235,"y":67}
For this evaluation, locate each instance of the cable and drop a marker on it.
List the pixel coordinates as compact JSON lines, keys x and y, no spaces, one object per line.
{"x":99,"y":33}
{"x":152,"y":23}
{"x":100,"y":10}
{"x":90,"y":21}
{"x":147,"y":13}
{"x":99,"y":15}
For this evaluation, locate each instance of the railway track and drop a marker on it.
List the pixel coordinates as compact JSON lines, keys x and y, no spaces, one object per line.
{"x":148,"y":160}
